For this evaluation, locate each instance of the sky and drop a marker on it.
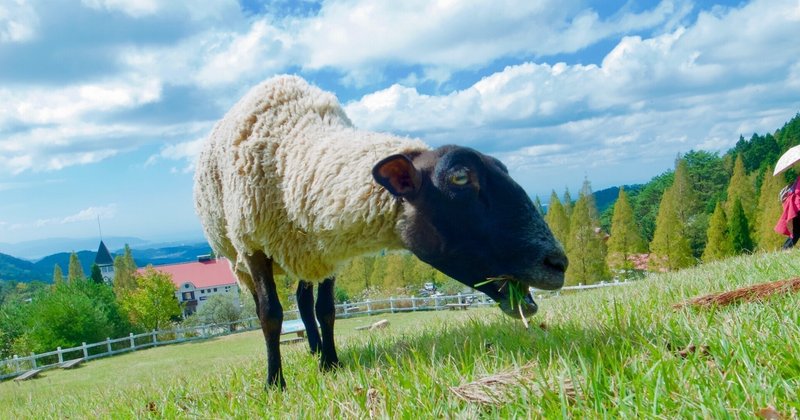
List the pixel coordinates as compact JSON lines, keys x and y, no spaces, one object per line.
{"x":104,"y":104}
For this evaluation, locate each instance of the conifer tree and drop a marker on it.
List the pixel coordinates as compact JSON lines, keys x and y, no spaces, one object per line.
{"x":718,"y":243}
{"x":567,"y":202}
{"x":124,"y":272}
{"x":768,"y":211}
{"x":670,"y":249}
{"x":557,"y":219}
{"x":741,"y":187}
{"x":58,"y":275}
{"x":686,"y":204}
{"x":97,"y":276}
{"x":586,"y":248}
{"x":538,"y":204}
{"x":739,"y":229}
{"x":625,"y":238}
{"x":74,"y":271}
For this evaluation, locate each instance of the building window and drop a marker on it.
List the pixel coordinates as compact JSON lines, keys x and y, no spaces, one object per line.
{"x":215,"y":289}
{"x":202,"y":290}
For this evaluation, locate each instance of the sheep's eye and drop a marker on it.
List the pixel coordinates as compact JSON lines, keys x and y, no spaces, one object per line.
{"x":460,"y":177}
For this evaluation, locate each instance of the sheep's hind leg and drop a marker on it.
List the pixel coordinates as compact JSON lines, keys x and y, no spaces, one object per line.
{"x":326,"y":314}
{"x":305,"y":305}
{"x":270,"y":313}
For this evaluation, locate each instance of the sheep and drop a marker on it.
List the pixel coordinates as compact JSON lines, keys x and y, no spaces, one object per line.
{"x":285,"y":183}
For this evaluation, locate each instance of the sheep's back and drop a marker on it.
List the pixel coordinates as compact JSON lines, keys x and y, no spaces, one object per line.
{"x":285,"y":172}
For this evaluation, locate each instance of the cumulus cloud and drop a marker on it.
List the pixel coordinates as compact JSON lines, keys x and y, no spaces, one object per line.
{"x":651,"y":98}
{"x":87,"y":214}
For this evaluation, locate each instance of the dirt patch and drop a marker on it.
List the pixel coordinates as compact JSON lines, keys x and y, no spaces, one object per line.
{"x":758,"y":292}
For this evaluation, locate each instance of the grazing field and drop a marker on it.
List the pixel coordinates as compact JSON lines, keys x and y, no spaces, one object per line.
{"x":611,"y":352}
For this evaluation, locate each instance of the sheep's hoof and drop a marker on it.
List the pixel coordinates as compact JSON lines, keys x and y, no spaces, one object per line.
{"x":327,"y":365}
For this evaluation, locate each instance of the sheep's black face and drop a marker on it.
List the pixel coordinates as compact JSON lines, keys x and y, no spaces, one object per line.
{"x":465,"y":216}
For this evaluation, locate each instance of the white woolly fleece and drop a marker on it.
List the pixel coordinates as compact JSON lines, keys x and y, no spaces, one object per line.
{"x":286,"y":172}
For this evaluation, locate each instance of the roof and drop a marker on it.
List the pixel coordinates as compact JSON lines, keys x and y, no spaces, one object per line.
{"x":201,"y":274}
{"x":103,"y":256}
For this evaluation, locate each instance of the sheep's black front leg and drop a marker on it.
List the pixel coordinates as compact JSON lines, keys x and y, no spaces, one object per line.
{"x":305,"y":305}
{"x":270,"y":314}
{"x":326,"y":314}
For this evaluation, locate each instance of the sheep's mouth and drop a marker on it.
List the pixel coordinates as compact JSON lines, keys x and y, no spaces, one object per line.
{"x":514,"y":296}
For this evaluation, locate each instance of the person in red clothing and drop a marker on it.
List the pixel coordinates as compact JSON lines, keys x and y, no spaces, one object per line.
{"x":787,"y":225}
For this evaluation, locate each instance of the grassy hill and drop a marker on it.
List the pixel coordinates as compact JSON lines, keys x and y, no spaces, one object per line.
{"x":614,"y":352}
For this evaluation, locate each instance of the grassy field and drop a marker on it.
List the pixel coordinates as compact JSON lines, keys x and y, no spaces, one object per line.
{"x":613,"y":352}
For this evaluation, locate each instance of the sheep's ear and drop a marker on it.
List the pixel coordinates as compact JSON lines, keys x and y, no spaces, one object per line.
{"x":398,"y":175}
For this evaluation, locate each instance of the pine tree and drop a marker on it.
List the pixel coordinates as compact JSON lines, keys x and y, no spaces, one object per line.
{"x":58,"y":276}
{"x":96,"y":276}
{"x":718,"y":243}
{"x":625,"y":238}
{"x":768,"y":211}
{"x":538,"y":204}
{"x":739,"y":229}
{"x":693,"y":224}
{"x":567,"y":202}
{"x":741,"y":187}
{"x":586,"y":248}
{"x":557,"y":219}
{"x":74,"y":271}
{"x":670,"y":249}
{"x":124,"y":272}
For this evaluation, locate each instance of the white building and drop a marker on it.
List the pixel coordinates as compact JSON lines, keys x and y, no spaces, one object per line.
{"x":105,"y":262}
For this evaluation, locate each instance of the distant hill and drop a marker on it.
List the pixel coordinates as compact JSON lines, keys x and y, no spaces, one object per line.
{"x":607,"y":197}
{"x":12,"y":268}
{"x":40,"y":248}
{"x":17,"y":269}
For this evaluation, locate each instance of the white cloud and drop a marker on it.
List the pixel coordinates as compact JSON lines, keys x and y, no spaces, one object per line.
{"x":18,"y":21}
{"x":135,"y":8}
{"x":87,"y":214}
{"x":187,"y":151}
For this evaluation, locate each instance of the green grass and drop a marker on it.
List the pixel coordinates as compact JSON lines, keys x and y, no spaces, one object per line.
{"x":619,"y":347}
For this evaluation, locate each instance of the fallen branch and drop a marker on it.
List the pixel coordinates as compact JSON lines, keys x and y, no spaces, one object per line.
{"x":758,"y":292}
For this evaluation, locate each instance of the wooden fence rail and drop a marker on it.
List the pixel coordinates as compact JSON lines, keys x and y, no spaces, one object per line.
{"x":17,"y":365}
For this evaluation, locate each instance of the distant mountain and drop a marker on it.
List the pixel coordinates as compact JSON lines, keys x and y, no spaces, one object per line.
{"x":607,"y":197}
{"x":12,"y":268}
{"x":37,"y":249}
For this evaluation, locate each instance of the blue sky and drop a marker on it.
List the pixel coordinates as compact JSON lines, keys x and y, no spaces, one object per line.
{"x":104,"y":103}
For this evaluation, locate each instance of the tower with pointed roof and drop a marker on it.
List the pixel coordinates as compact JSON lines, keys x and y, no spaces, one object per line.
{"x":105,"y":262}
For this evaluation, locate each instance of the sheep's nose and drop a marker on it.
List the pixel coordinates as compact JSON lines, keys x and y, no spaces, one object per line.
{"x":556,"y":260}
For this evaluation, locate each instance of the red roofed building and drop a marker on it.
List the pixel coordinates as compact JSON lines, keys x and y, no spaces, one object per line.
{"x":199,"y":280}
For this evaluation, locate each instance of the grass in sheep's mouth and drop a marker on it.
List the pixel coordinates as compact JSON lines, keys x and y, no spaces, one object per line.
{"x":516,"y":293}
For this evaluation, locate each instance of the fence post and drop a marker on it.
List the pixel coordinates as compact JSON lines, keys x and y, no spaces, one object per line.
{"x":33,"y":359}
{"x":108,"y":344}
{"x":85,"y":351}
{"x":133,"y":344}
{"x":436,"y":302}
{"x":344,"y":308}
{"x":16,"y":363}
{"x":155,"y":340}
{"x":369,"y":308}
{"x":60,"y":355}
{"x":459,"y":299}
{"x":391,"y":304}
{"x":413,"y":304}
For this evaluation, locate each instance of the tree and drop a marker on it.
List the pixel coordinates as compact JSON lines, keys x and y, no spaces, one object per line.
{"x":718,"y":243}
{"x":567,"y":202}
{"x":670,"y":249}
{"x":152,"y":303}
{"x":687,"y":208}
{"x":768,"y":211}
{"x":625,"y":238}
{"x":739,"y":229}
{"x":647,"y":202}
{"x":538,"y":204}
{"x":58,"y":276}
{"x":741,"y":187}
{"x":75,"y":271}
{"x":124,"y":272}
{"x":220,"y":308}
{"x":96,"y":276}
{"x":557,"y":219}
{"x":586,"y":248}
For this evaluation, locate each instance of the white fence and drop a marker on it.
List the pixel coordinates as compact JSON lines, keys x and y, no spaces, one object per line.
{"x":17,"y":365}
